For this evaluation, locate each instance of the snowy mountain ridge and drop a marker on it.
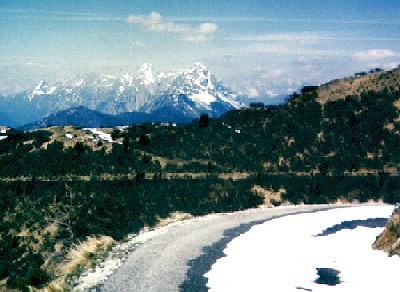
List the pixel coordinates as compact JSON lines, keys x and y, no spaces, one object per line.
{"x":188,"y":92}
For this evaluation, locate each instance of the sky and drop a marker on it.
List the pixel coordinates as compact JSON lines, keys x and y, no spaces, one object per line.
{"x":256,"y":45}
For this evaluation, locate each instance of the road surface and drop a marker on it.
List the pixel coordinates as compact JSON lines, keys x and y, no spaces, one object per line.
{"x":177,"y":260}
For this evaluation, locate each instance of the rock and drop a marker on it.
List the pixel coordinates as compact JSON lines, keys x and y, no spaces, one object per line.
{"x":389,"y":240}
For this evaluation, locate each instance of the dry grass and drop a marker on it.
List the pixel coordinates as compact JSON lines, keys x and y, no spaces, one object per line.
{"x":79,"y":256}
{"x":78,"y":135}
{"x":355,"y":85}
{"x":82,"y":252}
{"x":397,"y":104}
{"x":269,"y":195}
{"x":174,"y":217}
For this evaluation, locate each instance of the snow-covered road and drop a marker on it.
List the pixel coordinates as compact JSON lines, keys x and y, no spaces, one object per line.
{"x":177,"y":258}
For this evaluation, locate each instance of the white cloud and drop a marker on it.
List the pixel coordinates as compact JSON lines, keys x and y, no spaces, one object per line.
{"x":138,"y":44}
{"x":252,"y":91}
{"x":376,"y":54}
{"x":208,"y":28}
{"x":155,"y":22}
{"x":204,"y":32}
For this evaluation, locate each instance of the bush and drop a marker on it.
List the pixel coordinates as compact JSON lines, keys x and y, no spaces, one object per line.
{"x":27,"y":272}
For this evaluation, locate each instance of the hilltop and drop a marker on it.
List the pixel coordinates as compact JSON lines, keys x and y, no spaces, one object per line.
{"x":376,"y":80}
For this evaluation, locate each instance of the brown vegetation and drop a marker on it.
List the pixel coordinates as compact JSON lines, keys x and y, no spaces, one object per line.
{"x":389,"y":240}
{"x":341,"y":88}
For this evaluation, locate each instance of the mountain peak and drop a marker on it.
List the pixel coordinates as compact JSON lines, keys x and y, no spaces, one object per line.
{"x":200,"y":77}
{"x":145,"y":72}
{"x":42,"y":88}
{"x":41,"y":84}
{"x":199,"y":65}
{"x":200,"y":69}
{"x":145,"y":67}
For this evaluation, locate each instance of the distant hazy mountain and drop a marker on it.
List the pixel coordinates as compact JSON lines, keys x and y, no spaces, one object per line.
{"x":82,"y":116}
{"x":185,"y":94}
{"x":78,"y":116}
{"x":6,"y":120}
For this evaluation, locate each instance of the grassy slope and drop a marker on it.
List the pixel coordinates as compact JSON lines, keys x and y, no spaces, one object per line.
{"x":377,"y":81}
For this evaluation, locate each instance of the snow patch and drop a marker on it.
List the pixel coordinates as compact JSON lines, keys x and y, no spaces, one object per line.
{"x":100,"y":134}
{"x":232,"y":102}
{"x":80,"y":82}
{"x":43,"y":88}
{"x":146,"y":73}
{"x":203,"y":97}
{"x":283,"y":255}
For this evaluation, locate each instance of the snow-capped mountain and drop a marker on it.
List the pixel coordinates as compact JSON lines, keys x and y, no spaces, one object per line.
{"x":193,"y":91}
{"x":187,"y":93}
{"x":42,"y":88}
{"x":145,"y":74}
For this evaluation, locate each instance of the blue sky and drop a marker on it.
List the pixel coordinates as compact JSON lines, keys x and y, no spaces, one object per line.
{"x":249,"y":44}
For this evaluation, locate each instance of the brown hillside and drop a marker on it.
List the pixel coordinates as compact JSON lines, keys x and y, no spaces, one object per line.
{"x":377,"y":81}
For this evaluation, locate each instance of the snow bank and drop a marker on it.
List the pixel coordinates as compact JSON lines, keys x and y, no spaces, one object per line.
{"x":283,"y":254}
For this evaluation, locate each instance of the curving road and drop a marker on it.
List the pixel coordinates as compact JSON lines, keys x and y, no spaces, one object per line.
{"x":177,"y":259}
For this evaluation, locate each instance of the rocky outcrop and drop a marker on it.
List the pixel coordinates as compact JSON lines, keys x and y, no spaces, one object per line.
{"x":389,"y":240}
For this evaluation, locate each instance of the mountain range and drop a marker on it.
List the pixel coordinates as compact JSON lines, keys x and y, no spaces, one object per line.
{"x":148,"y":96}
{"x":82,"y":116}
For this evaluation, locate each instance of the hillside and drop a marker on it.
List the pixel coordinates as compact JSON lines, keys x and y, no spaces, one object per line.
{"x":62,"y":187}
{"x":361,"y":82}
